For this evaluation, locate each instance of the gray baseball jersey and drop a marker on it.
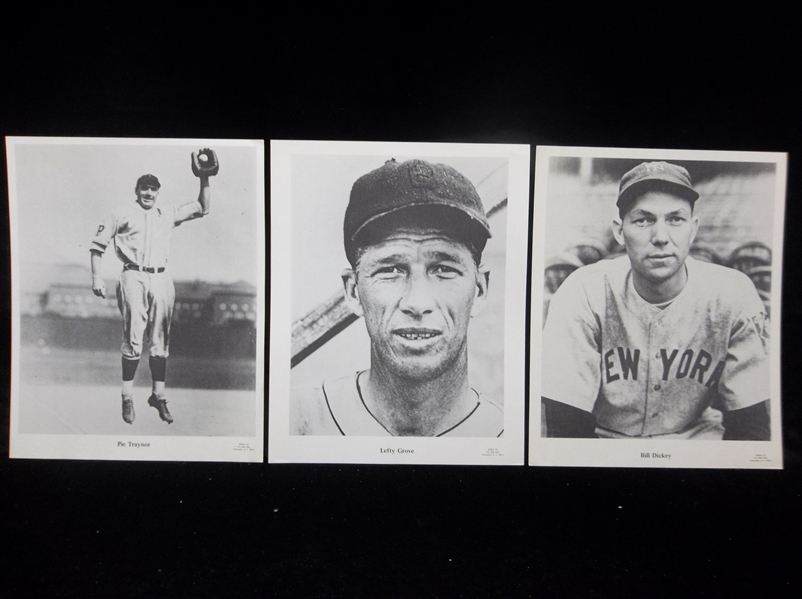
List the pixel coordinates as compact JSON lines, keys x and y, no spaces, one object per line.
{"x":645,"y":371}
{"x":337,"y":408}
{"x":145,"y":299}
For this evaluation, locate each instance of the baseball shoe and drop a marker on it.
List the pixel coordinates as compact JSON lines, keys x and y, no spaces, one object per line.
{"x":128,"y":409}
{"x":161,"y":405}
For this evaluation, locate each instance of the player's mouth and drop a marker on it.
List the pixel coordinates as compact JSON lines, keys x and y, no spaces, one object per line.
{"x":417,"y":334}
{"x":660,"y":256}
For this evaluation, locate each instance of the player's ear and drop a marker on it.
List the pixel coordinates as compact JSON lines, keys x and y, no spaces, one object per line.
{"x":618,"y":230}
{"x":480,"y":293}
{"x":351,"y":291}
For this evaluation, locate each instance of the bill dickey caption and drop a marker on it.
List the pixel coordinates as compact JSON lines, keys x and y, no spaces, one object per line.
{"x":646,"y":454}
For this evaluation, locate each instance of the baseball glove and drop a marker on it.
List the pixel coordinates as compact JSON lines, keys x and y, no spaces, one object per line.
{"x":204,"y":163}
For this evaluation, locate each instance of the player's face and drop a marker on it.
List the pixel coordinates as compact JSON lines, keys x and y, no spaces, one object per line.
{"x":657,"y":233}
{"x":417,"y":289}
{"x":147,"y":195}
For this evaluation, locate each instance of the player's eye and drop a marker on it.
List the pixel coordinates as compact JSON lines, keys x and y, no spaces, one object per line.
{"x":445,"y":272}
{"x":676,"y":219}
{"x":388,"y":272}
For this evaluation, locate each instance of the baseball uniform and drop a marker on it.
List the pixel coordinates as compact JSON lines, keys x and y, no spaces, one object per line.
{"x":145,"y":291}
{"x":337,"y":408}
{"x":644,"y":370}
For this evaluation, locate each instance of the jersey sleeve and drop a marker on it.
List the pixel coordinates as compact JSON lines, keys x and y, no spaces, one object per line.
{"x":309,"y":413}
{"x":104,"y":234}
{"x":185,"y":212}
{"x":571,"y":371}
{"x":745,"y":380}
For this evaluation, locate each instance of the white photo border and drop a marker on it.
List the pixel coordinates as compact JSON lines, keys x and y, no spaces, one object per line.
{"x":633,"y":452}
{"x":136,"y":447}
{"x":505,"y":450}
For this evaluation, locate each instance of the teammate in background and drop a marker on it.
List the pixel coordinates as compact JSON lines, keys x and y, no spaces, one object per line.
{"x":414,"y":235}
{"x":145,"y":292}
{"x":647,"y":344}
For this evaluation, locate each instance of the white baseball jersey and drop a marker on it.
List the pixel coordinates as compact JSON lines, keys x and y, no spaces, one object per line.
{"x":643,"y":371}
{"x":145,"y":299}
{"x":337,"y":408}
{"x":143,"y":236}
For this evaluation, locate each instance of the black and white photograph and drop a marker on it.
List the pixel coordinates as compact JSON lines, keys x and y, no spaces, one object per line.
{"x":138,"y":298}
{"x":652,"y":288}
{"x":404,"y":265}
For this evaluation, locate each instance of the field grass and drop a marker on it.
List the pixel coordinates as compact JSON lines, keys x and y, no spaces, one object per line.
{"x":96,"y":410}
{"x":56,"y":366}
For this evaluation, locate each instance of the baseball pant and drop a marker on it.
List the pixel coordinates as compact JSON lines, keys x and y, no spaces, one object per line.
{"x":146,"y":303}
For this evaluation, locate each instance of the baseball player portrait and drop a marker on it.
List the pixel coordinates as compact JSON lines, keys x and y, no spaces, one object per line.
{"x":139,"y":311}
{"x":658,"y":338}
{"x":140,"y":233}
{"x":413,"y":234}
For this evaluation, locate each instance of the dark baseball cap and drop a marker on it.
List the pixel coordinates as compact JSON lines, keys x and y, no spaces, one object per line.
{"x":408,"y":185}
{"x":661,"y":176}
{"x":148,"y":180}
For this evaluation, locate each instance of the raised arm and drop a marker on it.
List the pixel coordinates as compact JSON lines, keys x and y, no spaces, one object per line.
{"x":205,"y":165}
{"x":205,"y":195}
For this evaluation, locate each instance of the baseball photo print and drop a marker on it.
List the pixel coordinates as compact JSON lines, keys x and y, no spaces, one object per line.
{"x":398,"y":273}
{"x":656,"y":308}
{"x":138,"y":299}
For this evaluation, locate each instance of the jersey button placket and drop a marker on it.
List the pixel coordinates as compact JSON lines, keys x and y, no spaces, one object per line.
{"x":148,"y":237}
{"x":654,"y":386}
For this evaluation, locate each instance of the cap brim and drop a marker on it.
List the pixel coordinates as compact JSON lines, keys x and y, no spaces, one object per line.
{"x":639,"y":187}
{"x":376,"y":217}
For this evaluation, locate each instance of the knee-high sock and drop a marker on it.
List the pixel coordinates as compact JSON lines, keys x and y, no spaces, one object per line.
{"x":158,"y":372}
{"x":129,"y":370}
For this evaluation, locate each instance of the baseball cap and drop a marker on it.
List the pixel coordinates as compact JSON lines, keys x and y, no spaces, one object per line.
{"x":756,"y":251}
{"x":148,"y":180}
{"x":662,"y":176}
{"x":406,"y":185}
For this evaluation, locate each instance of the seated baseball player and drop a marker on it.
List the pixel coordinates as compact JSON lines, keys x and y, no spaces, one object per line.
{"x":655,"y":343}
{"x":145,"y":291}
{"x":414,"y":234}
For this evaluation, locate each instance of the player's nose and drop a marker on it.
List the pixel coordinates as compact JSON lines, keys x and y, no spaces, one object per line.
{"x":660,"y":233}
{"x":417,"y":298}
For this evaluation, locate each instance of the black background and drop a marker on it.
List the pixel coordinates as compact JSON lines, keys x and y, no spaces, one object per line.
{"x":670,"y":79}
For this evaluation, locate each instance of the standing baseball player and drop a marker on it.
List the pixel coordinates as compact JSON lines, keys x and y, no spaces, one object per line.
{"x":655,"y":343}
{"x":414,"y":234}
{"x":145,"y":292}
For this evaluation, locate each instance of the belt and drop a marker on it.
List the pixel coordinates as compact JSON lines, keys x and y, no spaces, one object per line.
{"x":150,"y":269}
